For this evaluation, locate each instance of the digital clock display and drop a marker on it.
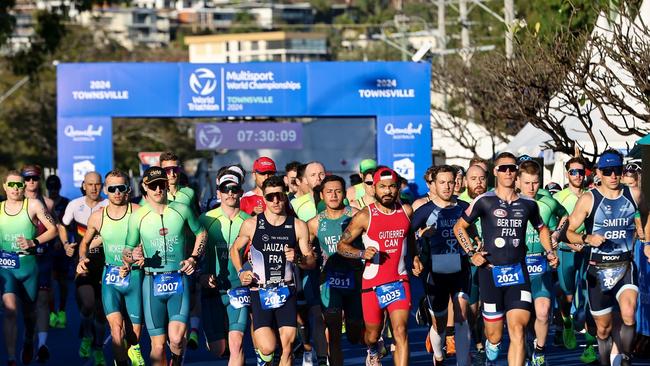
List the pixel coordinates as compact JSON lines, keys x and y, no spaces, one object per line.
{"x":248,"y":135}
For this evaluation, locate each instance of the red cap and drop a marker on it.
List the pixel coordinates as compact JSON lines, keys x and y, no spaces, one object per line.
{"x":263,"y":165}
{"x":384,"y":173}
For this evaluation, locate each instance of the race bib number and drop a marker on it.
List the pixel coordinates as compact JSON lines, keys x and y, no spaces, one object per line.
{"x":343,"y":280}
{"x":167,"y":284}
{"x":609,"y":277}
{"x":9,"y":260}
{"x":445,"y":263}
{"x":239,"y":297}
{"x":536,"y":265}
{"x":508,"y":275}
{"x":113,"y":277}
{"x":389,"y":293}
{"x":273,"y":297}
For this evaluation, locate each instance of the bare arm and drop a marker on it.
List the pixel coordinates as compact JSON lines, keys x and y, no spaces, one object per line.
{"x":462,"y":235}
{"x":577,"y":218}
{"x":92,"y":229}
{"x":43,"y":215}
{"x":312,"y":226}
{"x":357,"y":226}
{"x":246,"y":232}
{"x":302,"y":235}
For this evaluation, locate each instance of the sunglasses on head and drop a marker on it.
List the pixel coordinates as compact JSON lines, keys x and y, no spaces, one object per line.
{"x":574,"y":172}
{"x":507,"y":168}
{"x":155,"y":185}
{"x":617,"y":170}
{"x":18,"y":185}
{"x":272,"y":196}
{"x":230,"y":189}
{"x":117,"y":188}
{"x":175,"y":169}
{"x":632,"y":168}
{"x":30,"y":178}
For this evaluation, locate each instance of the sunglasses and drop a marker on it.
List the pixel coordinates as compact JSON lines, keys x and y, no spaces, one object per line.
{"x":369,"y":182}
{"x":34,"y":178}
{"x":162,"y":185}
{"x":265,"y":173}
{"x":574,"y":172}
{"x":117,"y":188}
{"x":617,"y":170}
{"x":19,"y":185}
{"x":172,"y":169}
{"x":632,"y":168}
{"x":234,"y":189}
{"x":280,"y":196}
{"x":293,"y":182}
{"x":507,"y":168}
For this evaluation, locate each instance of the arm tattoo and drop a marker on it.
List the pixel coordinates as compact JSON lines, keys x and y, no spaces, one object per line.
{"x":201,"y":249}
{"x":48,"y":217}
{"x":462,"y":238}
{"x":350,"y":254}
{"x":346,"y":235}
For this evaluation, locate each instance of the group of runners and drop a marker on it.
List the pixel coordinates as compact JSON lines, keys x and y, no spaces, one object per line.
{"x":302,"y":259}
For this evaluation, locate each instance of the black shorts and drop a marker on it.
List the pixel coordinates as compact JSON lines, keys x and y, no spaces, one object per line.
{"x":603,"y":302}
{"x":95,"y":270}
{"x":284,"y":316}
{"x":442,"y":286}
{"x":496,"y":301}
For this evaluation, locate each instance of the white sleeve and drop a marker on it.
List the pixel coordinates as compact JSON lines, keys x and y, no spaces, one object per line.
{"x":69,"y":213}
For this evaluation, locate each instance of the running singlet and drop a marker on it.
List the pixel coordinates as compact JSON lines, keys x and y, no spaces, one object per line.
{"x":329,"y":233}
{"x":613,"y":219}
{"x":503,"y":225}
{"x":568,"y":200}
{"x":222,"y":233}
{"x":249,"y":201}
{"x":267,"y":250}
{"x":388,"y":233}
{"x":184,"y":195}
{"x":442,"y":221}
{"x":79,"y":211}
{"x":550,"y":211}
{"x":113,"y":233}
{"x":304,"y":207}
{"x":14,"y":226}
{"x":162,"y":235}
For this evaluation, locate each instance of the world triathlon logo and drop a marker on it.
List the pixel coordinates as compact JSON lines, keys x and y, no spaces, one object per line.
{"x":203,"y":81}
{"x":209,"y":136}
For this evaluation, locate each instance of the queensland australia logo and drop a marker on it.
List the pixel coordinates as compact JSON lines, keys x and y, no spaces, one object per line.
{"x":203,"y":83}
{"x":406,"y":133}
{"x":209,"y":136}
{"x":87,"y":134}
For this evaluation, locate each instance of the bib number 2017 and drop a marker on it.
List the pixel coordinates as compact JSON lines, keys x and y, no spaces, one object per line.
{"x":113,"y":277}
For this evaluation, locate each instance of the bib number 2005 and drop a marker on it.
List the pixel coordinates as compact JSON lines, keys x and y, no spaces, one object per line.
{"x":9,"y":260}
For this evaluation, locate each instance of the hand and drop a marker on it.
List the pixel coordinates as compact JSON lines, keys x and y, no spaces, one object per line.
{"x":369,"y":253}
{"x":595,"y":240}
{"x":554,"y":239}
{"x":24,"y":243}
{"x":290,"y":254}
{"x":82,"y":268}
{"x":478,"y":259}
{"x":69,"y":248}
{"x":138,"y":253}
{"x":258,"y":209}
{"x":124,"y":271}
{"x":188,"y":266}
{"x":426,"y":232}
{"x":553,"y":260}
{"x":246,"y":278}
{"x":417,"y":266}
{"x":646,"y":251}
{"x":208,"y":281}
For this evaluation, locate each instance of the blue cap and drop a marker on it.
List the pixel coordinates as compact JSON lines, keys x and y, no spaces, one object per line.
{"x":609,"y":160}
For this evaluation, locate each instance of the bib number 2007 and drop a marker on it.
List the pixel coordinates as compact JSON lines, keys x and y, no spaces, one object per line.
{"x":167,"y":284}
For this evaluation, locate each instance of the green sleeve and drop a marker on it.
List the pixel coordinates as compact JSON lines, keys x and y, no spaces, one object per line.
{"x":133,"y":234}
{"x":192,"y":220}
{"x":209,"y":263}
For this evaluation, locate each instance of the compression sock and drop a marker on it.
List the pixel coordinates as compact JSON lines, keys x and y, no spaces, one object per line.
{"x":177,"y":360}
{"x":615,"y":359}
{"x":99,"y":330}
{"x":463,"y":340}
{"x":605,"y":349}
{"x":436,"y":342}
{"x":86,"y":326}
{"x":320,"y":341}
{"x":194,"y":322}
{"x":627,"y":334}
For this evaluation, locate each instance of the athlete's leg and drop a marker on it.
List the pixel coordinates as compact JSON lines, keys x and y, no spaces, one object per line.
{"x":494,"y":330}
{"x":10,"y":326}
{"x":398,"y":320}
{"x":157,"y":355}
{"x":287,"y":334}
{"x":603,"y":334}
{"x":177,"y":331}
{"x":517,"y":320}
{"x":462,"y":331}
{"x":333,"y":321}
{"x":437,"y":334}
{"x":627,"y":301}
{"x":86,"y":304}
{"x":318,"y":328}
{"x":42,"y":315}
{"x":116,"y":324}
{"x":236,"y":346}
{"x":265,"y":342}
{"x":542,"y":313}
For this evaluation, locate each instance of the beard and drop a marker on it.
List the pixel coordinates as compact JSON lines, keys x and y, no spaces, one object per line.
{"x":380,"y":199}
{"x":473,"y":193}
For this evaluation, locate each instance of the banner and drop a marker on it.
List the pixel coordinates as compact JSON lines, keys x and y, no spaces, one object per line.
{"x":85,"y":145}
{"x":252,"y":135}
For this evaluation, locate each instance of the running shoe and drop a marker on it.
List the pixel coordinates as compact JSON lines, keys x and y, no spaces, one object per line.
{"x":381,"y":347}
{"x":27,"y":353}
{"x":61,"y":319}
{"x":84,"y":347}
{"x":193,"y":340}
{"x":479,"y":357}
{"x":589,"y":355}
{"x":537,"y":359}
{"x":450,"y":344}
{"x":492,"y":351}
{"x":43,"y":354}
{"x":373,"y":360}
{"x":626,"y":360}
{"x":135,"y":355}
{"x":427,"y":344}
{"x":438,"y":362}
{"x":53,"y":319}
{"x":307,"y":358}
{"x":98,"y":357}
{"x":569,"y":337}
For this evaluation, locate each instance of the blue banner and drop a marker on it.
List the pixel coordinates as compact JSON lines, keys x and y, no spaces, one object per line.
{"x":404,"y":144}
{"x":85,"y":144}
{"x":245,"y":136}
{"x":643,"y":312}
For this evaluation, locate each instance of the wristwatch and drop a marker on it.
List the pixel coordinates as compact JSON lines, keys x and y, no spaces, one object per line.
{"x":36,"y":242}
{"x":471,"y":253}
{"x":584,"y":238}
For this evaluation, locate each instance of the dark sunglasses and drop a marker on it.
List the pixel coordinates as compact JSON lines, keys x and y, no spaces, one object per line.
{"x":175,"y":169}
{"x":235,"y":189}
{"x":155,"y":185}
{"x":117,"y":188}
{"x":369,"y":182}
{"x":293,"y":182}
{"x":617,"y":170}
{"x":265,"y":173}
{"x":272,"y":196}
{"x":34,"y":178}
{"x":18,"y":185}
{"x":507,"y":168}
{"x":574,"y":172}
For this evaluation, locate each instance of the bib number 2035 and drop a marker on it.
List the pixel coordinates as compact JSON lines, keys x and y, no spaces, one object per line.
{"x":167,"y":284}
{"x":390,"y":293}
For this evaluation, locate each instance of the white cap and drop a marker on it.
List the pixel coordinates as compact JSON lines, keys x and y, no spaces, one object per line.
{"x":236,"y":169}
{"x":229,"y":178}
